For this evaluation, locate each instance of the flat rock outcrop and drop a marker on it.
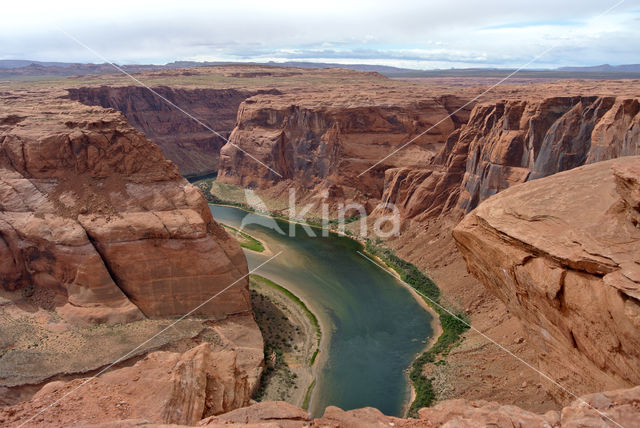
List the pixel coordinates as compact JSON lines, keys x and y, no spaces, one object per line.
{"x":274,"y":413}
{"x":563,"y":254}
{"x":95,"y":222}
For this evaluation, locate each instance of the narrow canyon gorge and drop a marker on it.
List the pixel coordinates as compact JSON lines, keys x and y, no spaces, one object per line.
{"x":522,"y":204}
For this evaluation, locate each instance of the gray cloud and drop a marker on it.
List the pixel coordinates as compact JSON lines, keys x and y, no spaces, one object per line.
{"x":411,"y":33}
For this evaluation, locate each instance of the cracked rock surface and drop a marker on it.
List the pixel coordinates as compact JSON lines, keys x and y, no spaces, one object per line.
{"x":92,"y":212}
{"x":563,"y":253}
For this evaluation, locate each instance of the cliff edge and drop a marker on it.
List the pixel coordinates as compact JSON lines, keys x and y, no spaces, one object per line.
{"x":96,"y":222}
{"x":563,"y":254}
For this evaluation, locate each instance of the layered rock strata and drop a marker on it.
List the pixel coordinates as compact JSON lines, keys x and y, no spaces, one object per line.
{"x":514,"y":141}
{"x":191,"y":146}
{"x":563,"y":254}
{"x":94,"y":218}
{"x":315,"y":143}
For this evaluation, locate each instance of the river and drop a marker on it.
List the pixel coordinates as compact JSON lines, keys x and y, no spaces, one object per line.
{"x":372,"y":326}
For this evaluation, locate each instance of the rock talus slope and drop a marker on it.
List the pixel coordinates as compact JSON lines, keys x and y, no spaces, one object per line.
{"x":97,"y":221}
{"x":563,"y":254}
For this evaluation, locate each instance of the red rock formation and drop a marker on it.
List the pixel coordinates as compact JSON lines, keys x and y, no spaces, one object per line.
{"x":316,"y":143}
{"x":513,"y":141}
{"x":163,"y":387}
{"x":92,"y":212}
{"x":595,"y":410}
{"x":132,"y":405}
{"x":276,"y":413}
{"x":562,"y":254}
{"x":193,"y":148}
{"x":311,"y":141}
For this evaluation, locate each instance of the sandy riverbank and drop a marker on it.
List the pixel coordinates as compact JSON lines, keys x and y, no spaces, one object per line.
{"x":292,"y":335}
{"x":435,"y":325}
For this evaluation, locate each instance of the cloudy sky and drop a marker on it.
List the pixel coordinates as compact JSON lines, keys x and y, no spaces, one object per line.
{"x":423,"y":34}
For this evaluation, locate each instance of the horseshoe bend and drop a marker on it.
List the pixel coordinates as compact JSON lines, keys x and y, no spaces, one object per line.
{"x":486,"y":273}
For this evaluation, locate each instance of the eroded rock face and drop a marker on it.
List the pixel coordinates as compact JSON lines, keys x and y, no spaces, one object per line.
{"x":309,"y":140}
{"x":193,"y":148}
{"x":513,"y":141}
{"x":319,"y":145}
{"x":563,"y":254}
{"x":163,"y":387}
{"x":92,"y":212}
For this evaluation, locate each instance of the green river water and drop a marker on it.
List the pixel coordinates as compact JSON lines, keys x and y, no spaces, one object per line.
{"x":372,"y":325}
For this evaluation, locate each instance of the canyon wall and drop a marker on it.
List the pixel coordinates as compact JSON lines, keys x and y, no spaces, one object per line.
{"x":563,"y":254}
{"x":95,"y":222}
{"x":513,"y":141}
{"x":318,"y":144}
{"x":462,"y":161}
{"x":192,"y":147}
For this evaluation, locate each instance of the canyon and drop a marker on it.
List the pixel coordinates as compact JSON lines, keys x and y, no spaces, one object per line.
{"x":87,"y":200}
{"x":186,"y":142}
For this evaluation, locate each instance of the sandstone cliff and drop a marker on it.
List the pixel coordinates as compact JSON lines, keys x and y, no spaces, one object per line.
{"x":96,"y":222}
{"x":318,"y":143}
{"x":313,"y":142}
{"x":163,"y":387}
{"x":562,"y":254}
{"x":193,"y":148}
{"x":513,"y":141}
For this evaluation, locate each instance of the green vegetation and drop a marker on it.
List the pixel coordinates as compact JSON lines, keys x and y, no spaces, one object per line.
{"x":245,"y":240}
{"x":452,"y":326}
{"x":314,"y":356}
{"x":300,"y":303}
{"x":221,"y":193}
{"x":278,"y":376}
{"x":276,"y":367}
{"x":227,"y":194}
{"x":307,"y":396}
